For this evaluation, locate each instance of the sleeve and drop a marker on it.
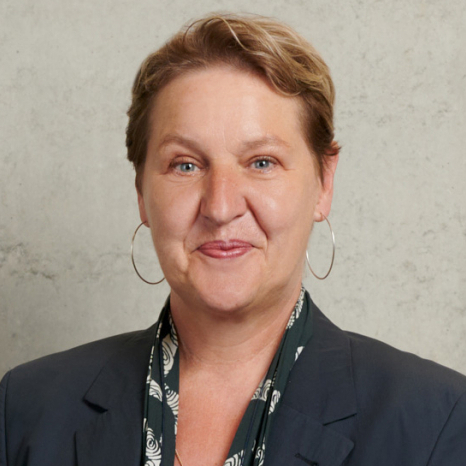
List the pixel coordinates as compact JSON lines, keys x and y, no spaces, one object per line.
{"x":450,"y":448}
{"x":3,"y":388}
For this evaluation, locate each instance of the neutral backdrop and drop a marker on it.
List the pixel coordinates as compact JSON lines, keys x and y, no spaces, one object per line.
{"x":68,"y":204}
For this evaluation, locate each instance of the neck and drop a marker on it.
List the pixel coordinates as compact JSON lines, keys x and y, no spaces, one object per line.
{"x":220,"y":340}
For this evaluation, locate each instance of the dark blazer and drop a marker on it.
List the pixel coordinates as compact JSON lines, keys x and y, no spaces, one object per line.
{"x":350,"y":401}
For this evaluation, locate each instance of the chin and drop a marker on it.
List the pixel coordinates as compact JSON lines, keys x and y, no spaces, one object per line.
{"x":226,"y":292}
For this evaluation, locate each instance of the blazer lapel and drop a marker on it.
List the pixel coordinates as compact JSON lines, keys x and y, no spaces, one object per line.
{"x":318,"y":403}
{"x":117,"y":396}
{"x":298,"y":440}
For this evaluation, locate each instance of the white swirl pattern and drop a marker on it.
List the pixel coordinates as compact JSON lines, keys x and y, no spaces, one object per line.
{"x":298,"y":352}
{"x":262,"y":391}
{"x":168,"y":350}
{"x":153,"y":449}
{"x":260,"y":455}
{"x":297,"y":310}
{"x":273,"y":402}
{"x":155,"y":390}
{"x":235,"y":460}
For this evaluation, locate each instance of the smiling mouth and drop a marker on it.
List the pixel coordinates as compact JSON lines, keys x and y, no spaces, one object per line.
{"x":225,"y":249}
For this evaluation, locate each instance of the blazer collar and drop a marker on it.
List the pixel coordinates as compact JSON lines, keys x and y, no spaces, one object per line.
{"x":117,"y":394}
{"x":319,"y":395}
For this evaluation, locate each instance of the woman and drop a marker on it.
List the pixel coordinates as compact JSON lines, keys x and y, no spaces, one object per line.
{"x":231,"y":135}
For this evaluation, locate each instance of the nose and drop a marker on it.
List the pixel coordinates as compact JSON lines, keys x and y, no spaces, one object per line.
{"x":223,"y":197}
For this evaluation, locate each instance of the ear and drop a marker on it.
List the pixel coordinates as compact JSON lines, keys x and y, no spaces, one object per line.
{"x":325,"y":199}
{"x":142,"y":208}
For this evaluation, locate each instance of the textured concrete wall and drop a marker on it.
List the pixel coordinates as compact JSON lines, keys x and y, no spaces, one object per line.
{"x":68,"y":207}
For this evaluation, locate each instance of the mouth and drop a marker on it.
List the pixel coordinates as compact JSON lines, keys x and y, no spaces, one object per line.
{"x":225,"y":249}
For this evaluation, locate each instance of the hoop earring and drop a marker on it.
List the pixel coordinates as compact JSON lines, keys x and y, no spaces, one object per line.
{"x":134,"y":263}
{"x":333,"y":254}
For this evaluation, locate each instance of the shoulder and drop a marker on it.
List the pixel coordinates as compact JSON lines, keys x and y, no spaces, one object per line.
{"x":395,"y":372}
{"x":408,"y":399}
{"x":395,"y":407}
{"x":380,"y":370}
{"x":66,"y":375}
{"x":71,"y":365}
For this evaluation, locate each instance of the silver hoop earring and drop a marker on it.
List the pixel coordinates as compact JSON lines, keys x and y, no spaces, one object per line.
{"x":333,"y":254}
{"x":134,"y":263}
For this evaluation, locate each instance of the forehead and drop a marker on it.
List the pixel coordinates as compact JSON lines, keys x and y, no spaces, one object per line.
{"x":224,"y":102}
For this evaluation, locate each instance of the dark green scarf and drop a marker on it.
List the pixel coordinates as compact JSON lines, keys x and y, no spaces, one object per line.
{"x":161,"y":406}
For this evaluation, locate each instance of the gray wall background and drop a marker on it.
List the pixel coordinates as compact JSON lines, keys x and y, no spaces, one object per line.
{"x":68,"y":206}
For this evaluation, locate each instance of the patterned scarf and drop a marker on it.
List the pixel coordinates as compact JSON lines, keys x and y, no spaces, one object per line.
{"x":161,"y":405}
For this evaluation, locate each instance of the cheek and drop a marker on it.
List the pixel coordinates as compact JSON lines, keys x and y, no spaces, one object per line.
{"x":172,"y":214}
{"x":286,"y":211}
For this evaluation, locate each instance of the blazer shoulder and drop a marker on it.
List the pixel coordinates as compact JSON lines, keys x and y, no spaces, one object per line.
{"x":70,"y":371}
{"x":88,"y":355}
{"x":402,"y":375}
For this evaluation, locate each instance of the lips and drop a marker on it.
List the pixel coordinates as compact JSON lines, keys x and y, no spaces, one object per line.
{"x":225,"y":249}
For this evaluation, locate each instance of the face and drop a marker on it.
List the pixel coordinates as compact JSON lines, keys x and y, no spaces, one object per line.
{"x":230,"y":189}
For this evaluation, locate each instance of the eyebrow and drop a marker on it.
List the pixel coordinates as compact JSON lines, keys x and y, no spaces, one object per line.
{"x":268,"y":140}
{"x":183,"y":141}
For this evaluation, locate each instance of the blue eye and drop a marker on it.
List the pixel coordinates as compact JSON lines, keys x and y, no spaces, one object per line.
{"x":187,"y":167}
{"x":262,"y":164}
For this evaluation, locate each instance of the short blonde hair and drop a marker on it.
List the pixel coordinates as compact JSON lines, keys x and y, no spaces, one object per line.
{"x":250,"y":42}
